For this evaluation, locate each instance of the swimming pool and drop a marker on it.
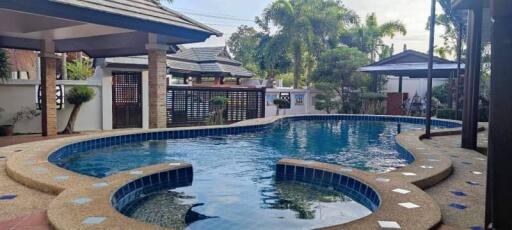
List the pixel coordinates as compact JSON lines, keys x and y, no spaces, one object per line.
{"x":233,"y":184}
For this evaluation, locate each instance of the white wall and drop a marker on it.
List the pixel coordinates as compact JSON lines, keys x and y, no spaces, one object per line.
{"x":17,"y":94}
{"x":306,"y":108}
{"x":411,"y":85}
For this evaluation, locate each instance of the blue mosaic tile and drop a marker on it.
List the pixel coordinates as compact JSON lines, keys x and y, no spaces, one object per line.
{"x":8,"y":197}
{"x":457,"y":206}
{"x":458,"y":193}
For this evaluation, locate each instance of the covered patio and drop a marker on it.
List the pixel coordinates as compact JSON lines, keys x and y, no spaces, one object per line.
{"x":412,"y":64}
{"x":99,"y":29}
{"x":498,"y":195}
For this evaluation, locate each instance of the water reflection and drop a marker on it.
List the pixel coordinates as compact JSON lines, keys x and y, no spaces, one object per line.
{"x":305,"y":200}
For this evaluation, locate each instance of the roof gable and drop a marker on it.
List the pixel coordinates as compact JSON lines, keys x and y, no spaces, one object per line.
{"x":410,"y":56}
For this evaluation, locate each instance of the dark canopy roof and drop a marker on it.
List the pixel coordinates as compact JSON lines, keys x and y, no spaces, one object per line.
{"x":195,"y":62}
{"x":470,"y":4}
{"x":100,"y":28}
{"x":206,"y":61}
{"x":411,"y":64}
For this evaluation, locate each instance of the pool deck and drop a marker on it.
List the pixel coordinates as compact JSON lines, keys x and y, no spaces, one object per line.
{"x":461,"y":204}
{"x":462,"y":195}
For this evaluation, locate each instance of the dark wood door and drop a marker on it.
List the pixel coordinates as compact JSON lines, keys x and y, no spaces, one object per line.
{"x":127,"y":100}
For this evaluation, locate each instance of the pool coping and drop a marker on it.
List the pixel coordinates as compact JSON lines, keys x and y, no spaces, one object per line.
{"x":30,"y":166}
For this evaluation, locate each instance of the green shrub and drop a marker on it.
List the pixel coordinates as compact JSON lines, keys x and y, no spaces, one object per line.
{"x":80,"y":94}
{"x":77,"y":96}
{"x":219,"y":101}
{"x":5,"y":71}
{"x":446,"y":114}
{"x":324,"y":102}
{"x":483,"y":114}
{"x":442,"y":93}
{"x":281,"y":103}
{"x":80,"y":69}
{"x":218,"y":104}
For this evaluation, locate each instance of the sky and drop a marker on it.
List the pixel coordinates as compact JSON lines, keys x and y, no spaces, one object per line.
{"x":227,"y":15}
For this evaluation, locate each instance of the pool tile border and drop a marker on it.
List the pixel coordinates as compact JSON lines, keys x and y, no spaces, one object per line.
{"x":41,"y":154}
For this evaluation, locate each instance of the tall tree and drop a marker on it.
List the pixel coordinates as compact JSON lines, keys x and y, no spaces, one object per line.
{"x":454,"y":23}
{"x":243,"y":44}
{"x":336,"y":75}
{"x":306,"y":26}
{"x":272,"y":56}
{"x":339,"y":67}
{"x":368,"y":37}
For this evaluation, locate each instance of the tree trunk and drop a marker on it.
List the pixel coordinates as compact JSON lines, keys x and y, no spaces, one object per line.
{"x":297,"y":59}
{"x":70,"y":127}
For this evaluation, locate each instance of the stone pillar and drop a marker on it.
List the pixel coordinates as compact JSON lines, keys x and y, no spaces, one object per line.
{"x":48,"y":91}
{"x":499,"y":183}
{"x":157,"y":68}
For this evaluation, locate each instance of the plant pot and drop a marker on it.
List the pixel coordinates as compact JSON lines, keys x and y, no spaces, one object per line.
{"x":6,"y":130}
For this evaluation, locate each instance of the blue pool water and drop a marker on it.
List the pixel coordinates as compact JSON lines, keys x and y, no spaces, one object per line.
{"x":233,"y":186}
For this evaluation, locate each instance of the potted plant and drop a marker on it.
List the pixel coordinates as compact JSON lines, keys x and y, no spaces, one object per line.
{"x":218,"y":104}
{"x":77,"y":96}
{"x":24,"y":114}
{"x":281,"y":104}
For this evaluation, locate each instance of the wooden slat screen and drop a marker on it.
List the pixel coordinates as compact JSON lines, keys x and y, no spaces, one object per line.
{"x":191,"y":105}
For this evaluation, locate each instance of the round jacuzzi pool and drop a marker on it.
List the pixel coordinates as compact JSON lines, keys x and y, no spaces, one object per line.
{"x":234,"y":184}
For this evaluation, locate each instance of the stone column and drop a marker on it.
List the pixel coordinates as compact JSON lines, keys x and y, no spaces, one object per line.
{"x":48,"y":91}
{"x":157,"y":68}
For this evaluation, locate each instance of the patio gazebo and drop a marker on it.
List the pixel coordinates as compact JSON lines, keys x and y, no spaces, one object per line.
{"x":206,"y":62}
{"x":100,"y":28}
{"x":412,"y":64}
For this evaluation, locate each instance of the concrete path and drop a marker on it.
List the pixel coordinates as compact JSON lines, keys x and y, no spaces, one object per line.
{"x":462,"y":195}
{"x":21,"y":207}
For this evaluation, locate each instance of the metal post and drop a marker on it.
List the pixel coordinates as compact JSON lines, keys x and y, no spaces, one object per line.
{"x":499,"y":184}
{"x":472,"y":80}
{"x":430,"y":67}
{"x":400,"y":84}
{"x":450,"y":92}
{"x":457,"y":78}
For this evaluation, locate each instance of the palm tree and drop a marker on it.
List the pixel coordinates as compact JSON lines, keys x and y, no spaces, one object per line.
{"x":455,"y":25}
{"x":307,"y":26}
{"x":368,"y":36}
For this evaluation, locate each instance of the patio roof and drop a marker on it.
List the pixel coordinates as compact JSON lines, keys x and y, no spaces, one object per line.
{"x":470,"y":4}
{"x":195,"y":62}
{"x":411,"y":64}
{"x":100,"y":28}
{"x":206,"y":61}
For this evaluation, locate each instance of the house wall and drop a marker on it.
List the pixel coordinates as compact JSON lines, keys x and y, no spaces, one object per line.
{"x":411,"y":85}
{"x":295,"y":109}
{"x":18,"y":94}
{"x":23,"y":61}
